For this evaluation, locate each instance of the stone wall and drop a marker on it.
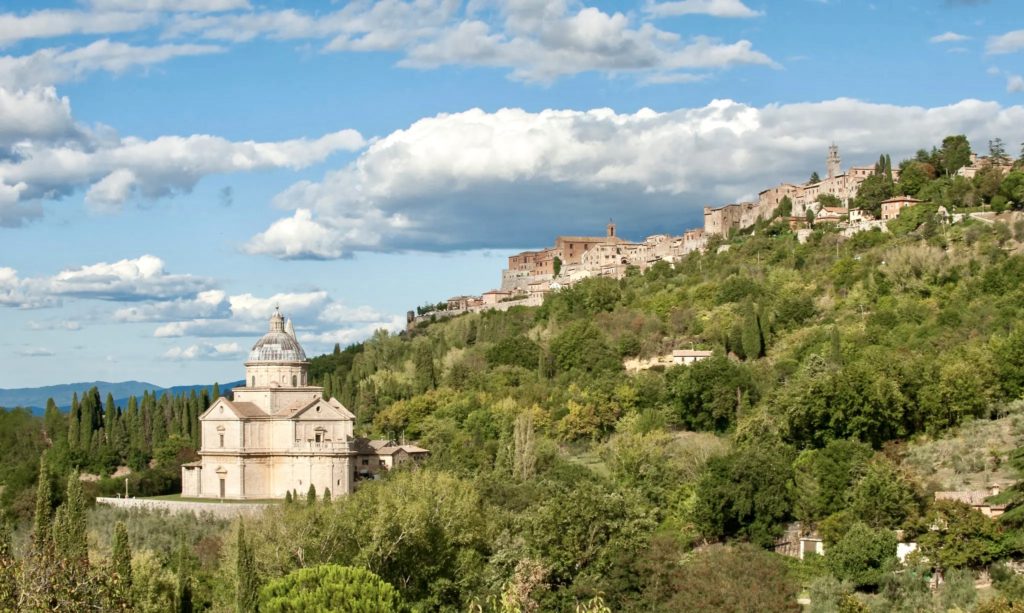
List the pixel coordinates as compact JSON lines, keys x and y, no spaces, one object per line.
{"x":217,"y":509}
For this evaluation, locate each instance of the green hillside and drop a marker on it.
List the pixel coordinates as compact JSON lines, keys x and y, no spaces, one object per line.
{"x":852,"y":377}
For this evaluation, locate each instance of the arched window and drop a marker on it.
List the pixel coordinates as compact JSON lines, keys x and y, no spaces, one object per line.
{"x":295,"y":381}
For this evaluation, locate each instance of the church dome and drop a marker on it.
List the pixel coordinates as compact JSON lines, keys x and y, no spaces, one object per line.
{"x":279,"y":344}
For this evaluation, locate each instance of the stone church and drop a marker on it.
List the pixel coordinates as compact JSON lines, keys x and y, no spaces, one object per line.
{"x":278,"y":433}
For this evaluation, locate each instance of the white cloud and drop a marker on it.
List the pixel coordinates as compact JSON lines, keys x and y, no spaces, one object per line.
{"x":209,"y":303}
{"x":35,"y":113}
{"x":205,"y":351}
{"x":35,"y":352}
{"x":1006,"y":43}
{"x":515,"y":178}
{"x":537,"y":41}
{"x":142,"y":278}
{"x":44,"y":154}
{"x":194,"y":6}
{"x":217,"y":314}
{"x":17,"y":292}
{"x":347,"y":336}
{"x":53,"y":23}
{"x":715,"y":8}
{"x":1015,"y":83}
{"x":55,"y":65}
{"x":948,"y":37}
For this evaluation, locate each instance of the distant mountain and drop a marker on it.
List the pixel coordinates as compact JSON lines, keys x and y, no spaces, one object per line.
{"x":35,"y":397}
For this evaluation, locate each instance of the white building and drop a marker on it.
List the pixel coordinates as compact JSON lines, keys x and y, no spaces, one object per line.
{"x":279,"y":434}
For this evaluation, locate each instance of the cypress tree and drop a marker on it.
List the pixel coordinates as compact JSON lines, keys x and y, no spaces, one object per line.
{"x":74,"y":422}
{"x":53,"y":422}
{"x":216,"y":390}
{"x":288,"y":496}
{"x":121,"y":556}
{"x":311,"y":494}
{"x":327,"y":495}
{"x":247,"y":589}
{"x":42,"y":522}
{"x":109,"y":417}
{"x":751,"y":335}
{"x":183,"y":595}
{"x":8,"y":582}
{"x":836,"y":347}
{"x":69,"y":533}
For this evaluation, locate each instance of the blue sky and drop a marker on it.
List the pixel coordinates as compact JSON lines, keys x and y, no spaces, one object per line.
{"x":170,"y":170}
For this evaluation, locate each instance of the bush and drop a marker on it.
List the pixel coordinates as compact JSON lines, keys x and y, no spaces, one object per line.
{"x":330,"y":587}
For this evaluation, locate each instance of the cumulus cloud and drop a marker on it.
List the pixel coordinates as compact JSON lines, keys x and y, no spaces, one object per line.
{"x":537,"y":41}
{"x":45,"y":154}
{"x":513,"y":178}
{"x":205,"y":351}
{"x":354,"y":334}
{"x":208,"y":303}
{"x":948,"y":37}
{"x":1015,"y":83}
{"x":715,"y":8}
{"x":1005,"y":43}
{"x":319,"y":319}
{"x":35,"y":113}
{"x":142,"y":278}
{"x":17,"y":292}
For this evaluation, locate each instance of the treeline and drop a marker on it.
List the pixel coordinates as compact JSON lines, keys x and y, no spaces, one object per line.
{"x":151,"y":435}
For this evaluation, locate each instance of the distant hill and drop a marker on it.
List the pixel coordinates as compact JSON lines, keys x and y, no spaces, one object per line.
{"x":35,"y":397}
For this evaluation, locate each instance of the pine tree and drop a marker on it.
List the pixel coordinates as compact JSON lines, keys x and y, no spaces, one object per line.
{"x":121,"y":554}
{"x":69,"y":530}
{"x":311,"y":494}
{"x":247,"y":588}
{"x":42,"y":522}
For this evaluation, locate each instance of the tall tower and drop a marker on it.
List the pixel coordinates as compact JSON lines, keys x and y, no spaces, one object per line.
{"x":832,"y":163}
{"x":611,"y":229}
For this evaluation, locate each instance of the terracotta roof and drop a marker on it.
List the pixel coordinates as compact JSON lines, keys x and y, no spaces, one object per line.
{"x":246,"y":409}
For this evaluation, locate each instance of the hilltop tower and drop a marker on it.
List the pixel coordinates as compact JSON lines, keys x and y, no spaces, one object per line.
{"x":611,"y":229}
{"x":832,"y":163}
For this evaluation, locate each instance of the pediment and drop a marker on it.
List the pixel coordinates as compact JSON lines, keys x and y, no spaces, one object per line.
{"x":321,"y":409}
{"x":224,"y":409}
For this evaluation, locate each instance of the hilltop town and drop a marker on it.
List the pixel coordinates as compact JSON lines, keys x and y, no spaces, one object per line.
{"x":530,"y":275}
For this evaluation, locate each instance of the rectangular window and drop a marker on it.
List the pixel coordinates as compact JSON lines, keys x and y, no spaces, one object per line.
{"x":221,"y":440}
{"x":366,"y":462}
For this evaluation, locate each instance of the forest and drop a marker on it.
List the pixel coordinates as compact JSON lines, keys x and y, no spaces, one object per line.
{"x":852,"y":378}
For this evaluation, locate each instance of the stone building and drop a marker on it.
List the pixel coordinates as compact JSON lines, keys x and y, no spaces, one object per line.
{"x":278,"y":433}
{"x":891,"y":208}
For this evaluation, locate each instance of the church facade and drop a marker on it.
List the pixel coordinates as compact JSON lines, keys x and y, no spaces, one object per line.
{"x":278,"y":434}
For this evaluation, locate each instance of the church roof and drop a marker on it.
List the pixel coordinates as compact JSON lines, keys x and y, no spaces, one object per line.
{"x":279,"y":344}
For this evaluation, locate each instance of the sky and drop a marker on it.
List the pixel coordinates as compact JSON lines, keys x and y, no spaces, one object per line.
{"x":171,"y":170}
